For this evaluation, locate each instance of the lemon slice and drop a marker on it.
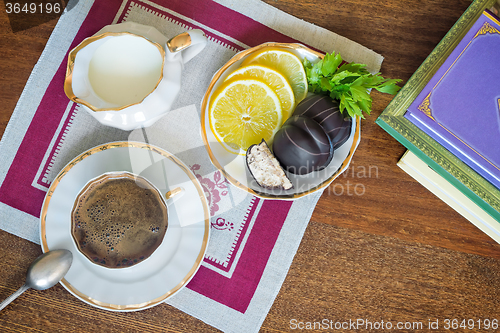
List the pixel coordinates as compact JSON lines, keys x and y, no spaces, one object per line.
{"x":243,"y":112}
{"x":287,"y":64}
{"x":273,"y":79}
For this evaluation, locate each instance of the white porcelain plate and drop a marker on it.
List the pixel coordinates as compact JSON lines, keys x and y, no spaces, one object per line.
{"x":174,"y":262}
{"x":234,"y":167}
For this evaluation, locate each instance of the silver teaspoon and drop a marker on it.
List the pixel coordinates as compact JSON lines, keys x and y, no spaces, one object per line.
{"x":44,"y":272}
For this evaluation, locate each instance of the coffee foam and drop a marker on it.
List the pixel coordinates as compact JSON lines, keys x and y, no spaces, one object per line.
{"x":119,"y":220}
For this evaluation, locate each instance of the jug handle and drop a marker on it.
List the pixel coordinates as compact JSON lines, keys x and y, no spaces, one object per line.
{"x":186,"y":45}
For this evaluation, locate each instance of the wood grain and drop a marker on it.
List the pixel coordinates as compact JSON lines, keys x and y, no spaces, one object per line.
{"x":379,"y":245}
{"x":341,"y":274}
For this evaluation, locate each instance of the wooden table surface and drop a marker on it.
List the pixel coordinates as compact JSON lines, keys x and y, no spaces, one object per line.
{"x":390,"y":252}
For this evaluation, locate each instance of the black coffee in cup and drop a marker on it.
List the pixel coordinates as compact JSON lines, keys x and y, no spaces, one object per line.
{"x":118,"y":220}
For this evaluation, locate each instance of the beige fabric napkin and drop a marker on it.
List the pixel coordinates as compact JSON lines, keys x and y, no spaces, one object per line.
{"x":253,"y":241}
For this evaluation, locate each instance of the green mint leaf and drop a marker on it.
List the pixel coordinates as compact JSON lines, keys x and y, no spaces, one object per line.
{"x":366,"y":105}
{"x":341,"y":88}
{"x":359,"y":93}
{"x":389,"y":87}
{"x":307,"y":64}
{"x":353,"y":68}
{"x":349,"y":83}
{"x":336,"y":95}
{"x":342,"y":105}
{"x":325,"y":84}
{"x":350,"y":78}
{"x":317,"y":67}
{"x":330,"y":63}
{"x":374,"y":81}
{"x":337,"y":79}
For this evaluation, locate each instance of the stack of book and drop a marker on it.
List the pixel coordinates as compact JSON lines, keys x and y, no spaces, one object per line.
{"x":448,"y":116}
{"x":444,"y":190}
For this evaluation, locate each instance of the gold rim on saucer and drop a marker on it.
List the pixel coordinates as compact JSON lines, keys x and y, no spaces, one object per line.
{"x":204,"y":108}
{"x":68,"y":81}
{"x":201,"y":193}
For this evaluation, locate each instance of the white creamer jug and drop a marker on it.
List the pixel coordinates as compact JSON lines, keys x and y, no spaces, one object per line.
{"x":128,"y":75}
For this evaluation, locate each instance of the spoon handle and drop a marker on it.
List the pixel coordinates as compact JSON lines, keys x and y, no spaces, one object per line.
{"x":13,"y":296}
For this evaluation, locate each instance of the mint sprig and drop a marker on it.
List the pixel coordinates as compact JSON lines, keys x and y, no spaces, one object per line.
{"x":348,"y":83}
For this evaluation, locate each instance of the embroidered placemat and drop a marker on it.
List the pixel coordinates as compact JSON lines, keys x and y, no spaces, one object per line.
{"x":253,"y":241}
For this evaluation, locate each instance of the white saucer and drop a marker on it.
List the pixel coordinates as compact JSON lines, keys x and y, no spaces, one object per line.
{"x":174,"y":262}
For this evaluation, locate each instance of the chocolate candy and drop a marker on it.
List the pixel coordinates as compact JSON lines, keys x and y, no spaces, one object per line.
{"x":326,"y":112}
{"x":302,"y":146}
{"x":265,"y":169}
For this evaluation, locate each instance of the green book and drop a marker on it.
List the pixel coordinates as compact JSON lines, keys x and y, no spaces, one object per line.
{"x":448,"y":193}
{"x":448,"y":165}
